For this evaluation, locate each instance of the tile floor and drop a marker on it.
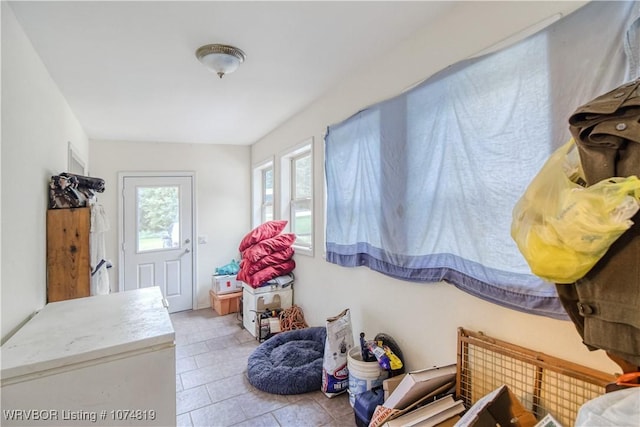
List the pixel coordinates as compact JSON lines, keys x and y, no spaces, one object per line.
{"x":212,"y":388}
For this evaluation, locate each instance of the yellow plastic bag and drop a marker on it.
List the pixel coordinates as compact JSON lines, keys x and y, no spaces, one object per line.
{"x":563,"y":228}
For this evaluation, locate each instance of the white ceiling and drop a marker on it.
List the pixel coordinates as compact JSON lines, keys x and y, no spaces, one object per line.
{"x":129,"y":72}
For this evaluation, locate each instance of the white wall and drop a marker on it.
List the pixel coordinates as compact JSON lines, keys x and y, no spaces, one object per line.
{"x":222,"y":178}
{"x":37,"y":125}
{"x":422,"y":317}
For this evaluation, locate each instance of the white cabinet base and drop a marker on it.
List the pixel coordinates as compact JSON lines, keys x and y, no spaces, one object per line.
{"x":132,"y":390}
{"x":99,"y":361}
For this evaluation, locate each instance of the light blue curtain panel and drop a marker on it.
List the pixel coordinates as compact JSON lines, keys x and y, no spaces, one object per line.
{"x":421,"y":187}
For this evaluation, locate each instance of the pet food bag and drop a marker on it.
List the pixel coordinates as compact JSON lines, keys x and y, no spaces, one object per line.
{"x":335,"y":375}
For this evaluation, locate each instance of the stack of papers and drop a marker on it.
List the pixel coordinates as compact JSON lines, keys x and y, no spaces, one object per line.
{"x":415,"y":389}
{"x":417,"y":384}
{"x":429,"y":415}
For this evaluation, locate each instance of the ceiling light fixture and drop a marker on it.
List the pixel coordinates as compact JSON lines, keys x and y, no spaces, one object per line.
{"x":220,"y":58}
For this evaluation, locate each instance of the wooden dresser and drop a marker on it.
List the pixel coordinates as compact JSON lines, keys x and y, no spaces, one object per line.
{"x":68,"y":254}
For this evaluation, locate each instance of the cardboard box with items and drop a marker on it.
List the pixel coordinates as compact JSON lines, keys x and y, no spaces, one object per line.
{"x":261,"y":305}
{"x":498,"y":408}
{"x":443,"y":410}
{"x":413,"y":399}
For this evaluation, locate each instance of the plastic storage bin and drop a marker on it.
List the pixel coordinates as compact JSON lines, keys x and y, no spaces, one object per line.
{"x":225,"y":303}
{"x":225,"y":284}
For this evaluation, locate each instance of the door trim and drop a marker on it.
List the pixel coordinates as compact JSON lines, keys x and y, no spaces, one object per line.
{"x":194,"y":258}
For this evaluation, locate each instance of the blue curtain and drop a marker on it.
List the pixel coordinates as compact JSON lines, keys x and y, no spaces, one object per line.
{"x":421,"y":187}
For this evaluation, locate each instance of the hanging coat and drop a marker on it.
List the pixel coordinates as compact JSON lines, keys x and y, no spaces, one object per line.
{"x":99,"y":264}
{"x":605,"y":304}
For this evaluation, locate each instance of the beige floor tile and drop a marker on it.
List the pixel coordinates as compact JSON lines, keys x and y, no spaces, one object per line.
{"x":220,"y":414}
{"x":203,"y":376}
{"x":305,"y":412}
{"x":338,"y":405}
{"x":191,"y":349}
{"x":184,"y":420}
{"x":188,"y":400}
{"x":266,"y":420}
{"x":228,"y":387}
{"x":185,"y":364}
{"x":244,"y":336}
{"x":212,"y":388}
{"x":257,"y":402}
{"x":212,"y":357}
{"x":220,"y":343}
{"x":342,"y":421}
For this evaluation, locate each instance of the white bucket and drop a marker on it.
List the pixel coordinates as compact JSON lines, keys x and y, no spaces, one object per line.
{"x":363,"y":376}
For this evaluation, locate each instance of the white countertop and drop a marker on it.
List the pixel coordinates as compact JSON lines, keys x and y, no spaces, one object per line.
{"x":83,"y":329}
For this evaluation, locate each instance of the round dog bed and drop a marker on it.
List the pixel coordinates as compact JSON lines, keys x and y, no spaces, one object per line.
{"x":289,"y":362}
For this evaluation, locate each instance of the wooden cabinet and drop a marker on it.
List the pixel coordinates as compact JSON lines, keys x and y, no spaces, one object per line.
{"x":68,"y":254}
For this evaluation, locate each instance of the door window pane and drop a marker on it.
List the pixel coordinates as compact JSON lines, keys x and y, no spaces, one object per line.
{"x":158,"y":218}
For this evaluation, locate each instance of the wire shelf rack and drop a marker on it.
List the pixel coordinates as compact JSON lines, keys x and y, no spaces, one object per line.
{"x":544,"y":384}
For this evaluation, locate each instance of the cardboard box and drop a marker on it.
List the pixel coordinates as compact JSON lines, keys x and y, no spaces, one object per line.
{"x":257,"y":300}
{"x":225,"y":284}
{"x":500,"y":407}
{"x":383,"y":414}
{"x":225,"y":303}
{"x":390,"y":384}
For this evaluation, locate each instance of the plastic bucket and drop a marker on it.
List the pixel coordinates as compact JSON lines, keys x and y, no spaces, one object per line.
{"x":363,"y":376}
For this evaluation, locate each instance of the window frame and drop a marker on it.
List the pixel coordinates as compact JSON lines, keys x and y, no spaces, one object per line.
{"x":288,"y":181}
{"x":259,"y":192}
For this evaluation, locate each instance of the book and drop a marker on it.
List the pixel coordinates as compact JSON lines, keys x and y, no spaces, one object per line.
{"x":430,"y":414}
{"x":416,"y":384}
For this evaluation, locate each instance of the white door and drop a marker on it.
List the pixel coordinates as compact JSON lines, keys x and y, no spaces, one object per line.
{"x":157,"y":249}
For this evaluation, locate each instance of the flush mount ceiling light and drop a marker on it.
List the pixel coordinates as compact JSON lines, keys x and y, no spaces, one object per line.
{"x":220,"y":58}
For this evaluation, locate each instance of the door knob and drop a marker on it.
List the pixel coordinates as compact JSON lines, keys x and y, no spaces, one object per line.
{"x":186,"y":251}
{"x":187,"y":241}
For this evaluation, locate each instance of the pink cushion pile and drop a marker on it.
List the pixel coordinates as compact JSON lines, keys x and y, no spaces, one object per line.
{"x":266,"y":253}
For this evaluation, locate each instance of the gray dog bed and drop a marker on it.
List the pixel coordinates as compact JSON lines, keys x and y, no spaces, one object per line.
{"x":289,"y":362}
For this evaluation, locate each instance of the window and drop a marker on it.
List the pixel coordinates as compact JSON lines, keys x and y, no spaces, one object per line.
{"x":421,"y":187}
{"x":266,"y":210}
{"x":301,"y":198}
{"x":263,"y":193}
{"x":158,"y":212}
{"x":297,"y":195}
